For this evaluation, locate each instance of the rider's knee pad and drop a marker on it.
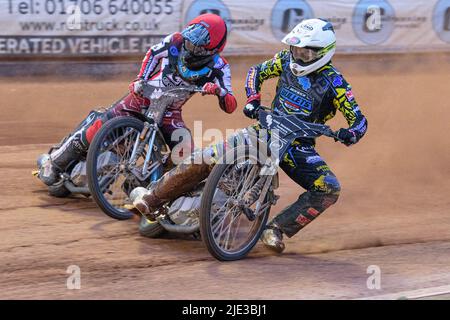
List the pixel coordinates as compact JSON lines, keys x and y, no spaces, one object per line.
{"x":92,"y":130}
{"x":328,"y":184}
{"x":326,"y":191}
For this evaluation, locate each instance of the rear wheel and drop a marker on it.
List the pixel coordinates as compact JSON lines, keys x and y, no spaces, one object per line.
{"x":150,"y":229}
{"x":58,"y":190}
{"x":225,"y":228}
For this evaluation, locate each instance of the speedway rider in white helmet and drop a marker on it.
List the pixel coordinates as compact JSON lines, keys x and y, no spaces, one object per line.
{"x":310,"y":87}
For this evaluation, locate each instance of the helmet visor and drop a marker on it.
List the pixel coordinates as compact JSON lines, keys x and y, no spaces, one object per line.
{"x":196,"y":50}
{"x":305,"y":55}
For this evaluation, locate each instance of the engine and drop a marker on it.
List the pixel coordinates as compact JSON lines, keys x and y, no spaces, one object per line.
{"x":78,"y":175}
{"x":185,"y":210}
{"x":105,"y":162}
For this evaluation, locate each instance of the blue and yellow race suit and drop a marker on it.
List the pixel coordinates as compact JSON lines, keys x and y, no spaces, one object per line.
{"x":314,"y":98}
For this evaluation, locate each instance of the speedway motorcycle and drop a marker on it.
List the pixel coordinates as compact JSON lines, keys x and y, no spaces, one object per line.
{"x":130,"y":152}
{"x":127,"y":152}
{"x":229,"y":209}
{"x":239,"y":192}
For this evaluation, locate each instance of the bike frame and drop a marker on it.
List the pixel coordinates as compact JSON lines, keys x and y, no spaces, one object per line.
{"x":152,"y":120}
{"x":284,"y":129}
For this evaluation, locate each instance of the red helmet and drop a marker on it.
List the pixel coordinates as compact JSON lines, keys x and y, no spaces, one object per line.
{"x":207,"y":31}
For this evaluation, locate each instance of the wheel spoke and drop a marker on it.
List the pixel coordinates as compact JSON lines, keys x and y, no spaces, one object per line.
{"x":231,"y":229}
{"x":116,"y":180}
{"x":228,"y":228}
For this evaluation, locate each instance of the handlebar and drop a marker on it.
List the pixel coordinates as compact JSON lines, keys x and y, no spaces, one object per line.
{"x":323,"y":129}
{"x":186,"y":89}
{"x":153,"y":92}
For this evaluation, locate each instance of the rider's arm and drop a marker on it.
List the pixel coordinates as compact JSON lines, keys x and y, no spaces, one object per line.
{"x":220,"y":85}
{"x":345,"y":102}
{"x":227,"y":101}
{"x":152,"y":57}
{"x":261,"y":72}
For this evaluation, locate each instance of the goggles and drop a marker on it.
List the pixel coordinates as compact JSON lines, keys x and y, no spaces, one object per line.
{"x":305,"y":55}
{"x":196,"y":50}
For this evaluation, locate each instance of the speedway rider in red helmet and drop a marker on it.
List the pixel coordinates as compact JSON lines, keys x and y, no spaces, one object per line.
{"x":190,"y":57}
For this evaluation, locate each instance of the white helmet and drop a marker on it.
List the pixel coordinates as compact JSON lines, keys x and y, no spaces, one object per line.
{"x":312,"y":44}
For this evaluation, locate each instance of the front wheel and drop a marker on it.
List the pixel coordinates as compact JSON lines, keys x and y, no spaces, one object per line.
{"x":111,"y":176}
{"x":227,"y":231}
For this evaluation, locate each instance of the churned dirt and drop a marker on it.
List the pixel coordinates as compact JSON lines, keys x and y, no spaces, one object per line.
{"x":394,"y":209}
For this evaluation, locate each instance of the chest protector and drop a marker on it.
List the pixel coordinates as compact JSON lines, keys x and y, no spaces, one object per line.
{"x":302,"y":96}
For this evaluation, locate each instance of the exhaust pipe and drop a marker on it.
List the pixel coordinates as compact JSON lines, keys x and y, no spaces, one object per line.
{"x":74,"y":189}
{"x":175,"y":228}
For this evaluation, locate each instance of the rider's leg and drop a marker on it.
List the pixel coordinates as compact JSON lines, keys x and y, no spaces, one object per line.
{"x":130,"y":101}
{"x":179,"y":180}
{"x":177,"y":135}
{"x":305,"y":166}
{"x":75,"y":147}
{"x":71,"y":150}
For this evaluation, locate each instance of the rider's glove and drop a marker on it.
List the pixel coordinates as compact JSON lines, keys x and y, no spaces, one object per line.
{"x":347,"y":136}
{"x":137,"y":88}
{"x":251,"y":109}
{"x":212,"y":88}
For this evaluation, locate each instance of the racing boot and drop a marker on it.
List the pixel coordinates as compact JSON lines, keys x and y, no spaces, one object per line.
{"x":137,"y":195}
{"x":45,"y":172}
{"x":71,"y":151}
{"x":140,"y":207}
{"x":272,"y":237}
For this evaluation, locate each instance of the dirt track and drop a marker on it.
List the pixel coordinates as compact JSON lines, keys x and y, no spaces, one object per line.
{"x":394,"y":210}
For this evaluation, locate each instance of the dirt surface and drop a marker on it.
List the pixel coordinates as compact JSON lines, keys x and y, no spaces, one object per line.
{"x":394,"y":209}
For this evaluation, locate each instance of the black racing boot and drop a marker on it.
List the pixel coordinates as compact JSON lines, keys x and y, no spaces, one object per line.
{"x":72,"y":151}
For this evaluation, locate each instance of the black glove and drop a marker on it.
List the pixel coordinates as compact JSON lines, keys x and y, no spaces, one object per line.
{"x":346,"y":136}
{"x":251,"y":109}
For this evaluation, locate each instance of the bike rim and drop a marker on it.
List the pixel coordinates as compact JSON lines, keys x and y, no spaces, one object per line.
{"x":232,"y":231}
{"x":114,"y":177}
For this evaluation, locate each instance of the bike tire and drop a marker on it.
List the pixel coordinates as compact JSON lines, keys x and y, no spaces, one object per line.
{"x":150,"y":229}
{"x":91,"y":167}
{"x":58,"y":190}
{"x":205,"y":210}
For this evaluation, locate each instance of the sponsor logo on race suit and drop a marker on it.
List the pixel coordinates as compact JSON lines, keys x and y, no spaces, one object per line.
{"x":313,"y":159}
{"x":295,"y":101}
{"x":305,"y":83}
{"x":349,"y":95}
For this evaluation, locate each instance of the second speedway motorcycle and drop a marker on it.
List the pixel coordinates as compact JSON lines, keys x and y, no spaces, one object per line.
{"x":129,"y":152}
{"x":229,"y":209}
{"x":239,"y":191}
